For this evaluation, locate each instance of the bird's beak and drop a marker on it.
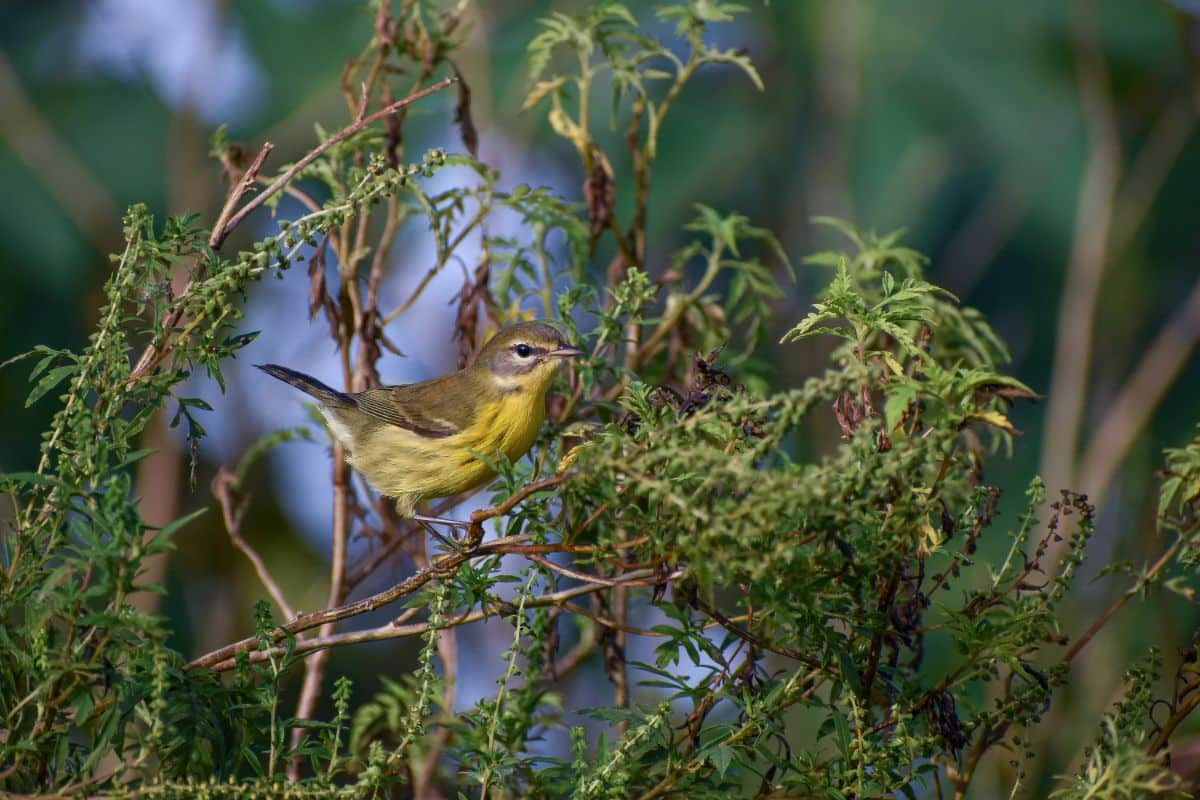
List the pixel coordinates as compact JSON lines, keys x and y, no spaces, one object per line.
{"x":564,"y":352}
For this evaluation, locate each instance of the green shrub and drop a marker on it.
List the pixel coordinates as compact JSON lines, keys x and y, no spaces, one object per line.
{"x":829,"y":624}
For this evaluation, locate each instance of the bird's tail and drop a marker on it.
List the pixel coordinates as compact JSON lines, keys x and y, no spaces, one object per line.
{"x":309,"y":385}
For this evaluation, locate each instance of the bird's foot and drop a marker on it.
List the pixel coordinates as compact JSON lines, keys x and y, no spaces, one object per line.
{"x":427,"y":522}
{"x":450,"y":523}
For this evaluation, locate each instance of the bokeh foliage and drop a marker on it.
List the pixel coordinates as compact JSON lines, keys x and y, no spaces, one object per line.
{"x":854,"y":622}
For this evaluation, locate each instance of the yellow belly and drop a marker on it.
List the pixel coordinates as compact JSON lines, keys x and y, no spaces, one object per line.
{"x":402,"y":464}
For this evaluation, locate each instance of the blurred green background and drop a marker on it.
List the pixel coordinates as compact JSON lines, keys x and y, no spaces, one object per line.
{"x":1041,"y":153}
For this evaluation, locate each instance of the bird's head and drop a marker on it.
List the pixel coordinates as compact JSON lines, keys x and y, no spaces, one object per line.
{"x":523,"y":357}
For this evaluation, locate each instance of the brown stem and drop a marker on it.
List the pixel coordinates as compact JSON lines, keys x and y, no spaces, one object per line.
{"x":227,"y":493}
{"x":236,"y":193}
{"x":577,"y":655}
{"x":1080,"y":294}
{"x":1128,"y":415}
{"x":370,"y":563}
{"x":1085,"y":637}
{"x":750,"y":638}
{"x":393,"y":630}
{"x":316,"y":152}
{"x":583,"y":576}
{"x":1178,"y":715}
{"x":886,"y":595}
{"x":448,"y":562}
{"x":314,"y":668}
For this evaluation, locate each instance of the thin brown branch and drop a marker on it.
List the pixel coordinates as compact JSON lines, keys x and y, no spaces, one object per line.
{"x":1178,"y":715}
{"x":606,"y":622}
{"x":303,"y":622}
{"x":1149,"y":170}
{"x":370,"y":563}
{"x":480,"y":516}
{"x":1160,"y":563}
{"x":762,"y":644}
{"x":1089,"y":254}
{"x":1128,"y":415}
{"x":887,"y":594}
{"x":316,"y":152}
{"x":314,"y":668}
{"x":438,"y":266}
{"x":236,"y":193}
{"x":392,"y":630}
{"x":472,"y":548}
{"x":578,"y":549}
{"x":586,"y":578}
{"x":577,"y":655}
{"x":155,"y":353}
{"x":233,"y":507}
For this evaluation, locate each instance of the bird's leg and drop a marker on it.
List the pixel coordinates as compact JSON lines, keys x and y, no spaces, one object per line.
{"x":427,"y":520}
{"x":450,"y":543}
{"x":406,"y":507}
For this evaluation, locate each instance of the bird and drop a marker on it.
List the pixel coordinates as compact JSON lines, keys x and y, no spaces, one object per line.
{"x":420,"y":441}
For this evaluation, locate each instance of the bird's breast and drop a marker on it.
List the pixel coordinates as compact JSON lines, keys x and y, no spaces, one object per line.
{"x":509,"y":425}
{"x":400,"y":462}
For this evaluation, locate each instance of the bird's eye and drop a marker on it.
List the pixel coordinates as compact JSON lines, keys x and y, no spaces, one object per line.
{"x":523,"y":350}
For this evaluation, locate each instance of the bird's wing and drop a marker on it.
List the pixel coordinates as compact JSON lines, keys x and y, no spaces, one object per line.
{"x":434,"y":409}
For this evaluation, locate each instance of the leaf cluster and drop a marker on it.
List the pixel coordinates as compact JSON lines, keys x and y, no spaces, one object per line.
{"x":762,"y":620}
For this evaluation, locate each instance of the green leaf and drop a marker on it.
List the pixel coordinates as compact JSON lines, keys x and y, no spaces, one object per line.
{"x":721,"y":757}
{"x":167,"y":530}
{"x":49,"y":381}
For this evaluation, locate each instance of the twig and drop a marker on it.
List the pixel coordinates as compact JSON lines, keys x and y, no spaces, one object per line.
{"x":1178,"y":715}
{"x":887,"y":594}
{"x":154,"y":353}
{"x":236,"y":193}
{"x":314,"y":668}
{"x":596,"y":579}
{"x":224,"y":487}
{"x":1077,"y":307}
{"x":750,"y":638}
{"x":1128,"y":415}
{"x":1149,"y":170}
{"x":1085,"y":637}
{"x":441,"y":565}
{"x":316,"y":152}
{"x":303,"y":622}
{"x":369,"y":563}
{"x":577,"y":655}
{"x":480,"y":516}
{"x":784,"y":699}
{"x":392,"y":630}
{"x":617,"y":668}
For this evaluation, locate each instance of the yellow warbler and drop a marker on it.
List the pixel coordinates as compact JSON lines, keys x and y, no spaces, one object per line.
{"x":418,"y":441}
